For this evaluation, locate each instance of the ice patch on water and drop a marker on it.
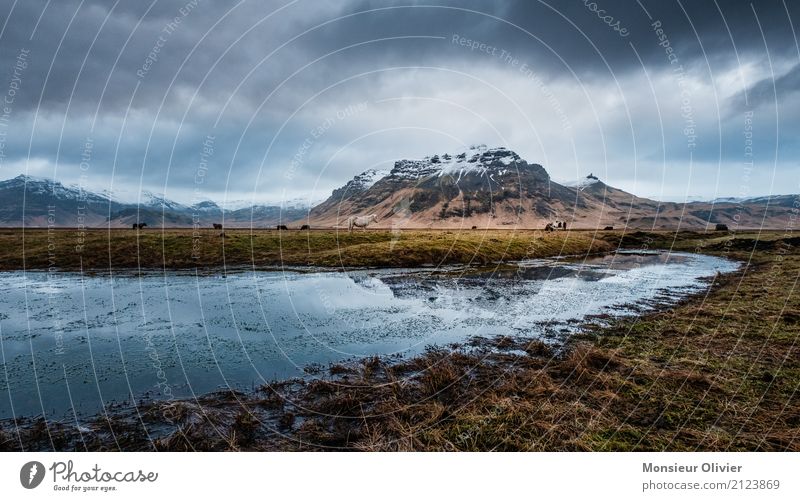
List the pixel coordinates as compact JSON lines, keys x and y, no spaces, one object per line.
{"x":200,"y":333}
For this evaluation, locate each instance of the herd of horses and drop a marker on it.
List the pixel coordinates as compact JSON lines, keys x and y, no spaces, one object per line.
{"x":352,"y":222}
{"x":364,"y":221}
{"x":218,"y":226}
{"x":558,"y":225}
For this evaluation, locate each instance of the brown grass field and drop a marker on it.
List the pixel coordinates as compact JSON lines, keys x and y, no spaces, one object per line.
{"x":720,"y":371}
{"x":65,"y":249}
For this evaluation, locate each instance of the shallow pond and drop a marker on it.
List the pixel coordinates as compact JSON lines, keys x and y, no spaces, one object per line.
{"x":72,"y":342}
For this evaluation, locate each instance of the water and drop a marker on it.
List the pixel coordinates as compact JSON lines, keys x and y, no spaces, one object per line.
{"x":71,"y":342}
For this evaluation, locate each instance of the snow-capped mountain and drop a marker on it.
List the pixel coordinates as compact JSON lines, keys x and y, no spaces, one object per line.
{"x":445,"y":188}
{"x":495,"y":187}
{"x":478,"y":160}
{"x":34,"y":201}
{"x":40,"y":186}
{"x":482,"y":187}
{"x":369,"y":177}
{"x":150,"y":199}
{"x":293,"y":203}
{"x":206,"y":207}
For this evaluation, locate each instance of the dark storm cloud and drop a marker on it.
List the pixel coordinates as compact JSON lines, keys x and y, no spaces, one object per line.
{"x":571,"y":37}
{"x":248,"y":73}
{"x":769,"y":90}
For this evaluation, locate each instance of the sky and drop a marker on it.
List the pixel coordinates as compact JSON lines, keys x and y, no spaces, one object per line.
{"x":275,"y":100}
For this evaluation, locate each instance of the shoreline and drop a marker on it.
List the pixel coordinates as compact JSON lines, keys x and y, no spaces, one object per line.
{"x":485,"y":394}
{"x":177,"y":250}
{"x":556,"y":341}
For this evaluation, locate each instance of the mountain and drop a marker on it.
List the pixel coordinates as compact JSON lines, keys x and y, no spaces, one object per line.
{"x":42,"y":202}
{"x":38,"y":202}
{"x":495,"y":188}
{"x":442,"y":190}
{"x":482,"y":187}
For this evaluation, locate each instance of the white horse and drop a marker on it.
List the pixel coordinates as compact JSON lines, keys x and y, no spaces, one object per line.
{"x":360,"y":221}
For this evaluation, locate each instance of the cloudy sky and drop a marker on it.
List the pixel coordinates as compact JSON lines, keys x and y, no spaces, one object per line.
{"x":270,"y":100}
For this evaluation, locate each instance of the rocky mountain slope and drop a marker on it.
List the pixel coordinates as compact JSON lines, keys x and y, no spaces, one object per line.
{"x":495,"y":188}
{"x":37,"y":202}
{"x":481,"y":187}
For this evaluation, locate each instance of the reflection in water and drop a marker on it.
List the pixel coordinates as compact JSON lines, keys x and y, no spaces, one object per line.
{"x":71,"y":341}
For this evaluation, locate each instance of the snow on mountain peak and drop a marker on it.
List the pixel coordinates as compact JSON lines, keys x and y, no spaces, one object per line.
{"x":583,"y":183}
{"x":206,"y":206}
{"x":47,"y":186}
{"x":151,"y":199}
{"x":476,"y":160}
{"x":296,"y":203}
{"x":369,"y":177}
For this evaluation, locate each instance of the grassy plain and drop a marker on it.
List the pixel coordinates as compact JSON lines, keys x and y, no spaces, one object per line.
{"x":66,"y":249}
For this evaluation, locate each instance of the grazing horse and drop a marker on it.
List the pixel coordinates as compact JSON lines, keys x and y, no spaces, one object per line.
{"x":305,"y":227}
{"x":217,"y":226}
{"x":360,"y":221}
{"x":281,"y":227}
{"x":138,"y":226}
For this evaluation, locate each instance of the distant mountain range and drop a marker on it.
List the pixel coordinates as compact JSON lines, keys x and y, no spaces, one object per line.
{"x":37,"y":202}
{"x":482,"y":187}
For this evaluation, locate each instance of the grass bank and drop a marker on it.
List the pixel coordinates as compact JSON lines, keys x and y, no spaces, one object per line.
{"x":185,"y":249}
{"x":721,"y":371}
